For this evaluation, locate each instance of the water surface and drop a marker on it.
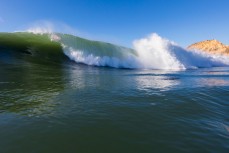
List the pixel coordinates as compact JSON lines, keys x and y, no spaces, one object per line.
{"x":69,"y":107}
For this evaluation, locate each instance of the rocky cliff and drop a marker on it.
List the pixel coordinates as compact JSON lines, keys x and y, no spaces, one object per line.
{"x":211,"y":46}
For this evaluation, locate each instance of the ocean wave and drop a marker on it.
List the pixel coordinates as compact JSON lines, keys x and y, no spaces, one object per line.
{"x":152,"y":52}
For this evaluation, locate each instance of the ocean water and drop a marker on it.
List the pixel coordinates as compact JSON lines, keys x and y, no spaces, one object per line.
{"x":95,"y":104}
{"x":78,"y":108}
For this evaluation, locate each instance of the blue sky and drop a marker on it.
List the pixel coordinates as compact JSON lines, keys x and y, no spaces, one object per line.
{"x":122,"y":21}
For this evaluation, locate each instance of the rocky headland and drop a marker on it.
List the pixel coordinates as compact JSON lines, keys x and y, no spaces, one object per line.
{"x":211,"y":46}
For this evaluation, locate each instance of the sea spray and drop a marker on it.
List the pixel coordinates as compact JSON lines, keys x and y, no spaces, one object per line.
{"x":156,"y":52}
{"x":41,"y":28}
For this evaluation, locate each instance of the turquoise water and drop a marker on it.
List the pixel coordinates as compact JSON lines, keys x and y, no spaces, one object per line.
{"x":58,"y":107}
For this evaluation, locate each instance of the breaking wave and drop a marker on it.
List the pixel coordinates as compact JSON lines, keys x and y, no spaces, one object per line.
{"x":152,"y":52}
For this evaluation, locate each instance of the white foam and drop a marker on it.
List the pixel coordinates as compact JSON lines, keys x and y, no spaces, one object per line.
{"x":90,"y":59}
{"x":156,"y":53}
{"x":159,"y":53}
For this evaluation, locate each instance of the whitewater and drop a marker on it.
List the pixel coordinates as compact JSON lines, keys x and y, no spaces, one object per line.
{"x":151,"y":52}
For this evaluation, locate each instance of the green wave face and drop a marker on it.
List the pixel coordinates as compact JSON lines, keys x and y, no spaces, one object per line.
{"x":96,"y":53}
{"x":36,"y":45}
{"x":44,"y":47}
{"x":97,"y":48}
